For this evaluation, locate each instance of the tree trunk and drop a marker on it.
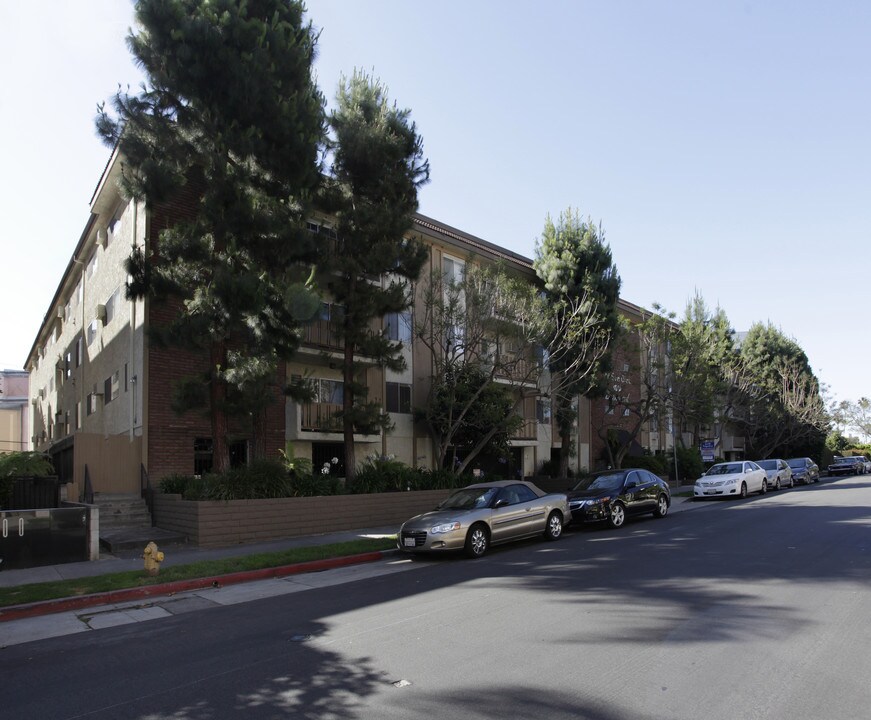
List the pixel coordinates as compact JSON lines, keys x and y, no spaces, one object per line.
{"x":348,"y":415}
{"x":218,"y":407}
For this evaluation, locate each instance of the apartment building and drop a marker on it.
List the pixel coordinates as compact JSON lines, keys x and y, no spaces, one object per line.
{"x":101,"y":393}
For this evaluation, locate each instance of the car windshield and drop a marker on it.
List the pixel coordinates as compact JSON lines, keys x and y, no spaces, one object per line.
{"x":799,"y":463}
{"x":607,"y":481}
{"x":469,"y":499}
{"x":767,"y":464}
{"x":844,"y":461}
{"x":726,"y":469}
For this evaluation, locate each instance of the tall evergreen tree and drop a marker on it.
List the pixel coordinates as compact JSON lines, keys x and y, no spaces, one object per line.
{"x":230,"y":115}
{"x":377,"y":166}
{"x":574,"y":262}
{"x":781,"y":405}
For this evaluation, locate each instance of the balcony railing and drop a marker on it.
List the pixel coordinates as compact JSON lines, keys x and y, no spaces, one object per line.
{"x":320,"y":417}
{"x":527,"y":431}
{"x":323,"y":334}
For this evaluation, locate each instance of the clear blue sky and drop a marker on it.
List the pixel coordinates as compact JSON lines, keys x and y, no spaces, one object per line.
{"x":724,"y":146}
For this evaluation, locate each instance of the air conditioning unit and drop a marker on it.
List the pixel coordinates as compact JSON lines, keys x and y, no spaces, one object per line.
{"x":101,"y":238}
{"x":101,"y":313}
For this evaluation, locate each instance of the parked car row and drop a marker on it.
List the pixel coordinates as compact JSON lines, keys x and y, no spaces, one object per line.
{"x":478,"y":516}
{"x":850,"y":465}
{"x":742,"y":477}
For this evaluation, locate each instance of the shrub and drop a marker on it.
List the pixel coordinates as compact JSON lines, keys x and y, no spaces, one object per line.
{"x":689,"y":464}
{"x":439,"y":480}
{"x":25,"y":464}
{"x":175,"y":483}
{"x":657,"y":464}
{"x":315,"y":486}
{"x":383,"y":474}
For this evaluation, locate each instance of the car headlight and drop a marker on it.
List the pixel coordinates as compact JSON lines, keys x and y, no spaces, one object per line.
{"x":444,"y":528}
{"x":731,"y":481}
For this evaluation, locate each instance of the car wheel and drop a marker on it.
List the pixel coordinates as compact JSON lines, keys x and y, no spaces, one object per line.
{"x":554,"y":527}
{"x":764,"y":488}
{"x":477,"y":541}
{"x":743,"y":489}
{"x":617,"y":516}
{"x":661,"y":507}
{"x":777,"y":484}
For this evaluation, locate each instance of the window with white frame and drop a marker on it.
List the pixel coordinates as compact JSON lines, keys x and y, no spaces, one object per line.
{"x":454,"y":270}
{"x":112,"y":229}
{"x":91,"y":332}
{"x":112,"y":305}
{"x":92,"y":264}
{"x":329,"y":391}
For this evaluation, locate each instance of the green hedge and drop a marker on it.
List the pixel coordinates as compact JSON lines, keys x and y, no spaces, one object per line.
{"x":273,"y":479}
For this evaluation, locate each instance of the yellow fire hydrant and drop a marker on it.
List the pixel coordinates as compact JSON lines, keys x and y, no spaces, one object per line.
{"x":153,"y":557}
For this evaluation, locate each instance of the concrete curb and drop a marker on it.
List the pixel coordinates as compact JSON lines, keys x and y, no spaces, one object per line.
{"x":48,"y":607}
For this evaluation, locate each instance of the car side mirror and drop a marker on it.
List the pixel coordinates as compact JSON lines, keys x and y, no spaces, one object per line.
{"x":502,"y":502}
{"x":631,"y":485}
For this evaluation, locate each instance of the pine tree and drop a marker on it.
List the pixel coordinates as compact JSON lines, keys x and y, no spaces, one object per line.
{"x":377,"y":167}
{"x":574,"y":262}
{"x":229,"y":113}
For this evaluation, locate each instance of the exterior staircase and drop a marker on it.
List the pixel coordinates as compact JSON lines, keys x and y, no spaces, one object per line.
{"x":125,"y":525}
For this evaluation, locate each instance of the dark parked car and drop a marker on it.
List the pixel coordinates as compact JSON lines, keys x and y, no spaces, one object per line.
{"x":847,"y":466}
{"x":613,"y":495}
{"x":804,"y":470}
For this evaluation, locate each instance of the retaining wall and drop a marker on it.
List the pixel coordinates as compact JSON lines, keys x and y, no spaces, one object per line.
{"x":216,"y":524}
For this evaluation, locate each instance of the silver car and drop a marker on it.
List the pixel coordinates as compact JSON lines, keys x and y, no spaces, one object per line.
{"x":486,"y":514}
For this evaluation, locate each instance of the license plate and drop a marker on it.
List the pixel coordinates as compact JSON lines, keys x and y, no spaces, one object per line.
{"x":408,"y":542}
{"x":710,"y":492}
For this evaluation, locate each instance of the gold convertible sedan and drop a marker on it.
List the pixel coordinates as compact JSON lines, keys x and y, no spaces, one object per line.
{"x":486,"y":514}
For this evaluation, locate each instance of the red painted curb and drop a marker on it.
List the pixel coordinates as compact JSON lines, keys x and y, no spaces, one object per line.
{"x":48,"y":607}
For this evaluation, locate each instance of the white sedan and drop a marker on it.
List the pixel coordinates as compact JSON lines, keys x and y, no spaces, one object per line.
{"x":737,"y":478}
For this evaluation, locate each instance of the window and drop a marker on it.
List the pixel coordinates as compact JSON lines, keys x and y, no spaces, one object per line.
{"x":68,"y":364}
{"x":112,"y":229}
{"x":92,"y":332}
{"x":398,"y":326}
{"x":454,"y":270}
{"x":91,"y":402}
{"x":202,"y":455}
{"x":92,"y":265}
{"x":398,"y":398}
{"x":79,"y":349}
{"x":542,"y":411}
{"x":112,"y":305}
{"x":329,"y":391}
{"x":78,"y":416}
{"x":111,"y":387}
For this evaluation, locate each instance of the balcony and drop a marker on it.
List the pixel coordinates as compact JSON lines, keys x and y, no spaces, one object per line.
{"x":323,"y":334}
{"x":320,"y":417}
{"x":527,"y":431}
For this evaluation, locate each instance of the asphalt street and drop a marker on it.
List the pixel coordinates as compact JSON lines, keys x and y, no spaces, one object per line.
{"x":739,"y":609}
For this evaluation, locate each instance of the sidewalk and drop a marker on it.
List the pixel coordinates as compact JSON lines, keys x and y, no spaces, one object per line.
{"x":56,"y":617}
